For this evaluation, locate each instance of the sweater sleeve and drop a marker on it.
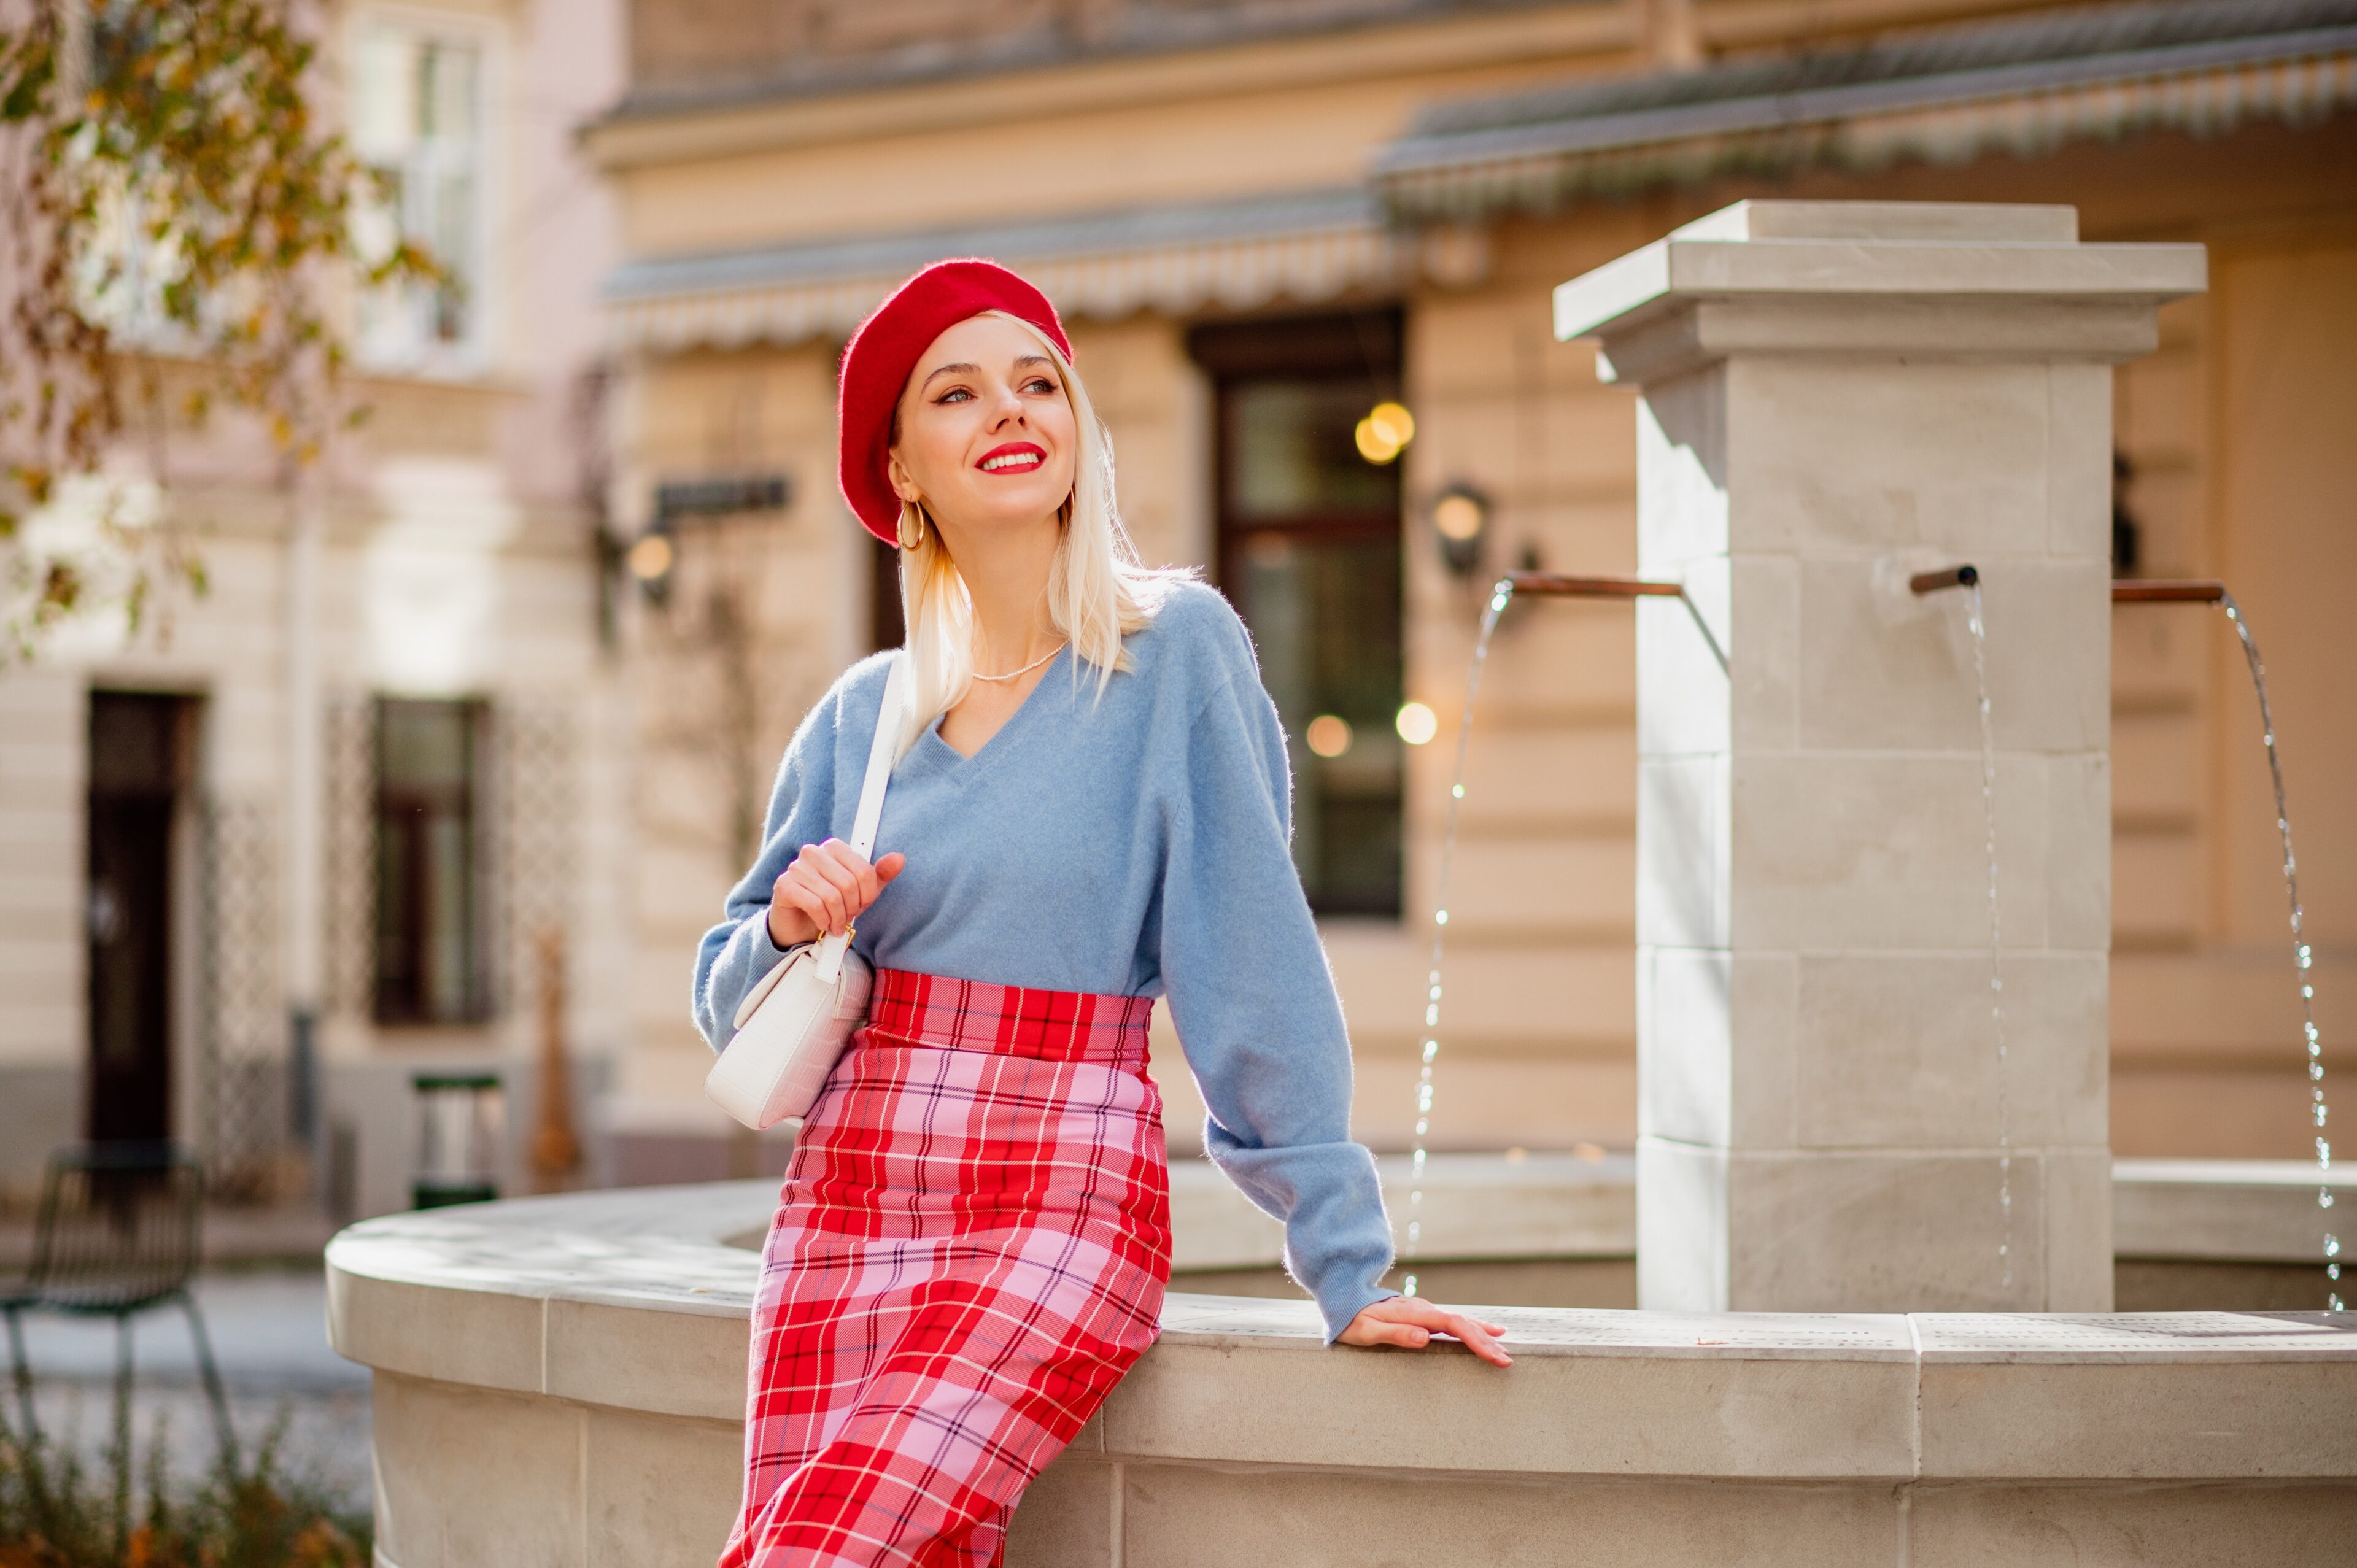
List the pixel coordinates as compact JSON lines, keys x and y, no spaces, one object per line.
{"x":1255,"y":1007}
{"x":735,"y":954}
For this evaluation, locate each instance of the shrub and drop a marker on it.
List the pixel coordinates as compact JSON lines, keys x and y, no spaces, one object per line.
{"x":57,"y":1512}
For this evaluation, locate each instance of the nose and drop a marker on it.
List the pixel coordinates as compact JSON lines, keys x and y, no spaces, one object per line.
{"x":1007,"y":408}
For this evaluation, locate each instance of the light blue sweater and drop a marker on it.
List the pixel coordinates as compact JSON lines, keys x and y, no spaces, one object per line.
{"x":1132,"y":846}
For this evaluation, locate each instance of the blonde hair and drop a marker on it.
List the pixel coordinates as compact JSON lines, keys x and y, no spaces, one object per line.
{"x":1098,"y":591}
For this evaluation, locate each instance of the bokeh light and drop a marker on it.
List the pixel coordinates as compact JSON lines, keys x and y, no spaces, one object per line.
{"x":1459,"y":516}
{"x":650,"y":558}
{"x":1384,"y":432}
{"x":1329,"y":735}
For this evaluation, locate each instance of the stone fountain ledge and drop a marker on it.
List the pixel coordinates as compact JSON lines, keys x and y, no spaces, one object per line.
{"x":560,"y":1381}
{"x":1549,"y":1206}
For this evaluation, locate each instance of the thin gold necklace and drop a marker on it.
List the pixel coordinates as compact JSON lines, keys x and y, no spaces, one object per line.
{"x":1013,"y":674}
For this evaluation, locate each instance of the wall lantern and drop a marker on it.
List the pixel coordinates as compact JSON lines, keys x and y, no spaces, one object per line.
{"x":685,"y":503}
{"x":1460,"y":516}
{"x":649,"y":559}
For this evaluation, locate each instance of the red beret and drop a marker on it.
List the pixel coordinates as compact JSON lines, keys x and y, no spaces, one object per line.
{"x":877,"y":362}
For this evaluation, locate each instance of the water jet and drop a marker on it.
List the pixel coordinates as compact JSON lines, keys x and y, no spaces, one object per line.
{"x":2211,"y":592}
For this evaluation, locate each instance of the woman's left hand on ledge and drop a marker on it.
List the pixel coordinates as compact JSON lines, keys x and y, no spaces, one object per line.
{"x":1410,"y":1321}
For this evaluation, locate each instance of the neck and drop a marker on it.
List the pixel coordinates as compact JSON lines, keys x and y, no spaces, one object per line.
{"x":1006,"y":574}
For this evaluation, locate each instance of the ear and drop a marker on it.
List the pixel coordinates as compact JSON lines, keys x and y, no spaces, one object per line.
{"x":904,"y":485}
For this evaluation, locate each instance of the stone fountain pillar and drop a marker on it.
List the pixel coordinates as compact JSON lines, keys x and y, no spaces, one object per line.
{"x":1833,"y":395}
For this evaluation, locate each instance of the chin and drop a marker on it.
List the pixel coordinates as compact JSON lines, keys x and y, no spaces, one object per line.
{"x":1012,"y":508}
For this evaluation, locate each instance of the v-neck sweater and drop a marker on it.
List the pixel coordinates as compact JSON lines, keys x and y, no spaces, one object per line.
{"x":1135,"y":843}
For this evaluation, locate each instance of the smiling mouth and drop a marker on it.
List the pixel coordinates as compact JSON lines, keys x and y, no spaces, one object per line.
{"x":1025,"y":458}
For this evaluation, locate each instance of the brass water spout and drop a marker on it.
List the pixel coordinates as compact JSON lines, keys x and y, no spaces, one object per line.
{"x":2166,"y":591}
{"x":1566,"y":587}
{"x":1560,"y":585}
{"x":1964,"y":576}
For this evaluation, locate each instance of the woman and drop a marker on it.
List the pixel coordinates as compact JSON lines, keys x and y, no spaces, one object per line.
{"x":1089,"y":810}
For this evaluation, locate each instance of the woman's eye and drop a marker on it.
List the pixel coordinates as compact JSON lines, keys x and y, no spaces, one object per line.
{"x":1039,"y":384}
{"x":955,"y":394}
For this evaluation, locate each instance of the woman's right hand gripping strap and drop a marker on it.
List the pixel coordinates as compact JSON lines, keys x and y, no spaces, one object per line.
{"x":871,"y":795}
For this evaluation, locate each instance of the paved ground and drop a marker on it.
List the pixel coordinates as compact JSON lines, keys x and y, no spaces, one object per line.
{"x":269,"y":1335}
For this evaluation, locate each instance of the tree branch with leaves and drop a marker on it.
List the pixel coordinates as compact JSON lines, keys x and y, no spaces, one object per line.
{"x":179,"y":228}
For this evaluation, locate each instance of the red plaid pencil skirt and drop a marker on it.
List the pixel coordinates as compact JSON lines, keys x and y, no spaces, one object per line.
{"x":970,"y":1249}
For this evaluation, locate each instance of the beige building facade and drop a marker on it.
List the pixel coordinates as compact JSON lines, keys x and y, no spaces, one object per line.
{"x":1217,"y":195}
{"x":185,"y":951}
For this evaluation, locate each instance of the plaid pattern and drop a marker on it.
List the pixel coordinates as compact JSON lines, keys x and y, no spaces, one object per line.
{"x":970,"y":1249}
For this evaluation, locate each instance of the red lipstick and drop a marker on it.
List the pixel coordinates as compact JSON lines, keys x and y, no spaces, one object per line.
{"x":1012,"y":457}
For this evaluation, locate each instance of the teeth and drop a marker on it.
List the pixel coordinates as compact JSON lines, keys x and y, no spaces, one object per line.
{"x":1012,"y":460}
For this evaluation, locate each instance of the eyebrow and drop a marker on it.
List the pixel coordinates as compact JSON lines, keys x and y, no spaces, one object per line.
{"x":962,"y":368}
{"x":958,"y":369}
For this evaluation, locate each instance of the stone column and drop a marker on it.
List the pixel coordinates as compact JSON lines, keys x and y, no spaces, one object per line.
{"x":1835,"y":395}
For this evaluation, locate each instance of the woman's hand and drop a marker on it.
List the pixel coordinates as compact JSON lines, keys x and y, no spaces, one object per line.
{"x":1412,"y":1321}
{"x":828,"y":887}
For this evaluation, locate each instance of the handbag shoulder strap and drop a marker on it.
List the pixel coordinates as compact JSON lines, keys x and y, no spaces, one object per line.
{"x":879,"y":758}
{"x":871,"y":794}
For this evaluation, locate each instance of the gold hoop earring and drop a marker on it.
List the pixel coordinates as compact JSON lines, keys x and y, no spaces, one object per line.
{"x":913,"y":525}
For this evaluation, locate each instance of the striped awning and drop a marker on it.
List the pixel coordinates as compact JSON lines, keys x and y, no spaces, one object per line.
{"x":1947,"y":95}
{"x":1236,"y":256}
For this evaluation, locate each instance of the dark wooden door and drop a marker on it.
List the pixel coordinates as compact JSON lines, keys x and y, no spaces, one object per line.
{"x":139,"y":746}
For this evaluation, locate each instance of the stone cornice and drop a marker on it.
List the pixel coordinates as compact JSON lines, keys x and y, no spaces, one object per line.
{"x":752,"y":121}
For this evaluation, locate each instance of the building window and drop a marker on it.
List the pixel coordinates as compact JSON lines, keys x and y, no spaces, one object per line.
{"x":1309,"y":551}
{"x":429,"y":937}
{"x":417,"y":119}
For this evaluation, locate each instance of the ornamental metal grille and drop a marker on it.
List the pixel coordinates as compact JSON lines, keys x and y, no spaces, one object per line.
{"x":242,"y":1034}
{"x":350,"y":898}
{"x":536,"y":839}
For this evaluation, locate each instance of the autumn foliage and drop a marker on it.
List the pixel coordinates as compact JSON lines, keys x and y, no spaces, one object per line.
{"x":179,"y":227}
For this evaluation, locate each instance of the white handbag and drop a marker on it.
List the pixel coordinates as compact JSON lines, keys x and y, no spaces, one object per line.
{"x":792,"y":1025}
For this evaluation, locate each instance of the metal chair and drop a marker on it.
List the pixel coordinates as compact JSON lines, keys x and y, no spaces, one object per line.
{"x":117,"y":1236}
